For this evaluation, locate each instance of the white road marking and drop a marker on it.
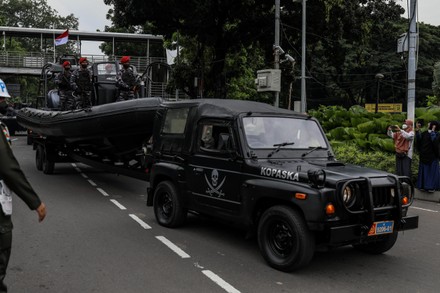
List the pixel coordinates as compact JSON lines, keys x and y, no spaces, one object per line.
{"x":173,"y":247}
{"x":78,"y":170}
{"x":84,"y":175}
{"x":91,"y":182}
{"x":102,"y":191}
{"x":118,"y":204}
{"x":140,"y":222}
{"x":73,"y":165}
{"x":219,"y":281}
{"x":426,"y":210}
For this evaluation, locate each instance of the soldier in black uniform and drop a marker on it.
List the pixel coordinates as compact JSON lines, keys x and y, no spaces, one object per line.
{"x":64,"y":90}
{"x":127,"y":80}
{"x":81,"y":83}
{"x":12,"y":178}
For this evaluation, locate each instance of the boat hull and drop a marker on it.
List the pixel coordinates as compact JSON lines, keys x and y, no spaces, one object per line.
{"x":113,"y":128}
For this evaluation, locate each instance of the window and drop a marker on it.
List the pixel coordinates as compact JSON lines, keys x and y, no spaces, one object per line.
{"x":215,"y":137}
{"x":264,"y":132}
{"x":175,"y":121}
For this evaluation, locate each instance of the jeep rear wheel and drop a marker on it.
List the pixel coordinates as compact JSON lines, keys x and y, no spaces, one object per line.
{"x":379,"y":246}
{"x":284,"y":239}
{"x":48,"y":163}
{"x":168,"y":207}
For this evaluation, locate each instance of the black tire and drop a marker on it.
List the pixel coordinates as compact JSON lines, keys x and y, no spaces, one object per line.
{"x":29,"y":140}
{"x":48,"y":163}
{"x":284,"y":239}
{"x":39,"y":154}
{"x":379,"y":246}
{"x":168,"y":207}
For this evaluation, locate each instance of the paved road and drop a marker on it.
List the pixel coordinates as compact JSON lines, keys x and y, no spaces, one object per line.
{"x":100,"y":237}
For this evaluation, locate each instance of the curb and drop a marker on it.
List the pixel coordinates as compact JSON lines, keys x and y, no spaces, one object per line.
{"x":428,"y":196}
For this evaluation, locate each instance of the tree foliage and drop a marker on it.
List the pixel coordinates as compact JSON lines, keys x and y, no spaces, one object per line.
{"x":33,"y":13}
{"x":348,"y":43}
{"x":30,"y":13}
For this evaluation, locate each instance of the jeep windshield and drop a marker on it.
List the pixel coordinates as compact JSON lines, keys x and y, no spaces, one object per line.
{"x":290,"y":133}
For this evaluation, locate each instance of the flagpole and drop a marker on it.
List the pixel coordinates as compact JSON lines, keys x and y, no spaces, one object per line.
{"x":54,"y":45}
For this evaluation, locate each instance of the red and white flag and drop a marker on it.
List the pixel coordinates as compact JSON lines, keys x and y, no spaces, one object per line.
{"x":62,"y":39}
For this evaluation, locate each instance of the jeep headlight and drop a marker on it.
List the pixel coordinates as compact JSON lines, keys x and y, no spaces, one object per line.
{"x":349,"y":195}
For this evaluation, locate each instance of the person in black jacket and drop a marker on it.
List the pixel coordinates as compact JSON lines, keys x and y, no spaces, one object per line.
{"x":429,"y":172}
{"x":12,"y":176}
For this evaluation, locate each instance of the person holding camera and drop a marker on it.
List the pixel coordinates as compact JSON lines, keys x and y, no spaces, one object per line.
{"x":403,"y":141}
{"x":428,"y":146}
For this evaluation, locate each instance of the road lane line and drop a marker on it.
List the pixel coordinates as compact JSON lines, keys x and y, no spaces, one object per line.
{"x":219,"y":281}
{"x":173,"y":247}
{"x":102,"y":191}
{"x":73,"y":165}
{"x":118,"y":204}
{"x":426,"y":210}
{"x":140,"y":222}
{"x":92,"y":183}
{"x":78,"y":170}
{"x":84,"y":175}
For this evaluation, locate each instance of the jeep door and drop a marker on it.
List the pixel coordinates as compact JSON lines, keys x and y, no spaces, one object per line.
{"x":213,"y":172}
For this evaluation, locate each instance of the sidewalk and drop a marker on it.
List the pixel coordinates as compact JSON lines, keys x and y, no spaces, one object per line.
{"x":428,"y":196}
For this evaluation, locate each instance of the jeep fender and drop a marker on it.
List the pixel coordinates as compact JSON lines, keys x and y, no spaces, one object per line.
{"x":165,"y":171}
{"x":260,"y":194}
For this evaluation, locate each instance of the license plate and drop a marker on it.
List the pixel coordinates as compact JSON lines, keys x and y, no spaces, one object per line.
{"x":384,"y":227}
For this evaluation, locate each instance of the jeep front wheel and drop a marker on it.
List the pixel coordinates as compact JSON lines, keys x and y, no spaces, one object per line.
{"x":284,"y":239}
{"x":379,"y":246}
{"x":168,"y":207}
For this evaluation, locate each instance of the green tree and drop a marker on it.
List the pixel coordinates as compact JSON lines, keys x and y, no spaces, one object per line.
{"x":348,"y":43}
{"x":30,"y":13}
{"x":218,"y":28}
{"x":33,"y":13}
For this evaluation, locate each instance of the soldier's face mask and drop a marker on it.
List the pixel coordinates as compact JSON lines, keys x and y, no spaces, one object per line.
{"x":126,"y":65}
{"x":84,"y":65}
{"x":3,"y":107}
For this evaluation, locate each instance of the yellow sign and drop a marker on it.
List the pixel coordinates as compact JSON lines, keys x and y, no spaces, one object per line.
{"x":384,"y":108}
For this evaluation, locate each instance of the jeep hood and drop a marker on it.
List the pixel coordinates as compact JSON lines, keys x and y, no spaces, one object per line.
{"x":335,"y":171}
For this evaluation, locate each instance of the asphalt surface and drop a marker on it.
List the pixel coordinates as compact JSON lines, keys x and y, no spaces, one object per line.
{"x":99,"y":236}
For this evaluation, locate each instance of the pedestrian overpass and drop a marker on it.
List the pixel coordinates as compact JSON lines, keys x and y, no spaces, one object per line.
{"x":154,"y":63}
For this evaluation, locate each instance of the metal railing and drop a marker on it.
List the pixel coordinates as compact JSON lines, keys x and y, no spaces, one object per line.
{"x":37,"y":59}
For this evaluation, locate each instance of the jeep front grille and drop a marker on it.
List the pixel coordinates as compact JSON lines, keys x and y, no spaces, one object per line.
{"x":382,"y":197}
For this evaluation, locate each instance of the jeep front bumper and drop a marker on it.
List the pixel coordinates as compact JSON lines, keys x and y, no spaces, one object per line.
{"x":356,"y":233}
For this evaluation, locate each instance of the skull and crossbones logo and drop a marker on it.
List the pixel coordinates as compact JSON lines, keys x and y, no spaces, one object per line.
{"x":213,"y":184}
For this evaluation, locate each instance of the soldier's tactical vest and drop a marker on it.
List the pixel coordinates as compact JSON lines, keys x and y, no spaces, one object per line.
{"x":65,"y":81}
{"x":84,"y":80}
{"x":129,"y":78}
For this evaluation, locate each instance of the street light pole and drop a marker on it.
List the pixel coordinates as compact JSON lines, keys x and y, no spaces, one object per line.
{"x":378,"y":77}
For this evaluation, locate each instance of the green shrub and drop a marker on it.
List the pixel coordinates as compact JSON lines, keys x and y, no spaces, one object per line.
{"x":359,"y":137}
{"x":350,"y":153}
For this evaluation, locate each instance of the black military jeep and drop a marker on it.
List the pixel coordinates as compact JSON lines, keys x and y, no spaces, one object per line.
{"x":272,"y":171}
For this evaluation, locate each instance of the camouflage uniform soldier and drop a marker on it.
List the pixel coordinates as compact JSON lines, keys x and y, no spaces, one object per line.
{"x":126,"y":80}
{"x":64,"y":90}
{"x":81,"y":83}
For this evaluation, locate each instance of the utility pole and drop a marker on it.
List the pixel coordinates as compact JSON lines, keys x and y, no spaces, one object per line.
{"x":276,"y":46}
{"x":177,"y":62}
{"x":303,"y":59}
{"x":412,"y":41}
